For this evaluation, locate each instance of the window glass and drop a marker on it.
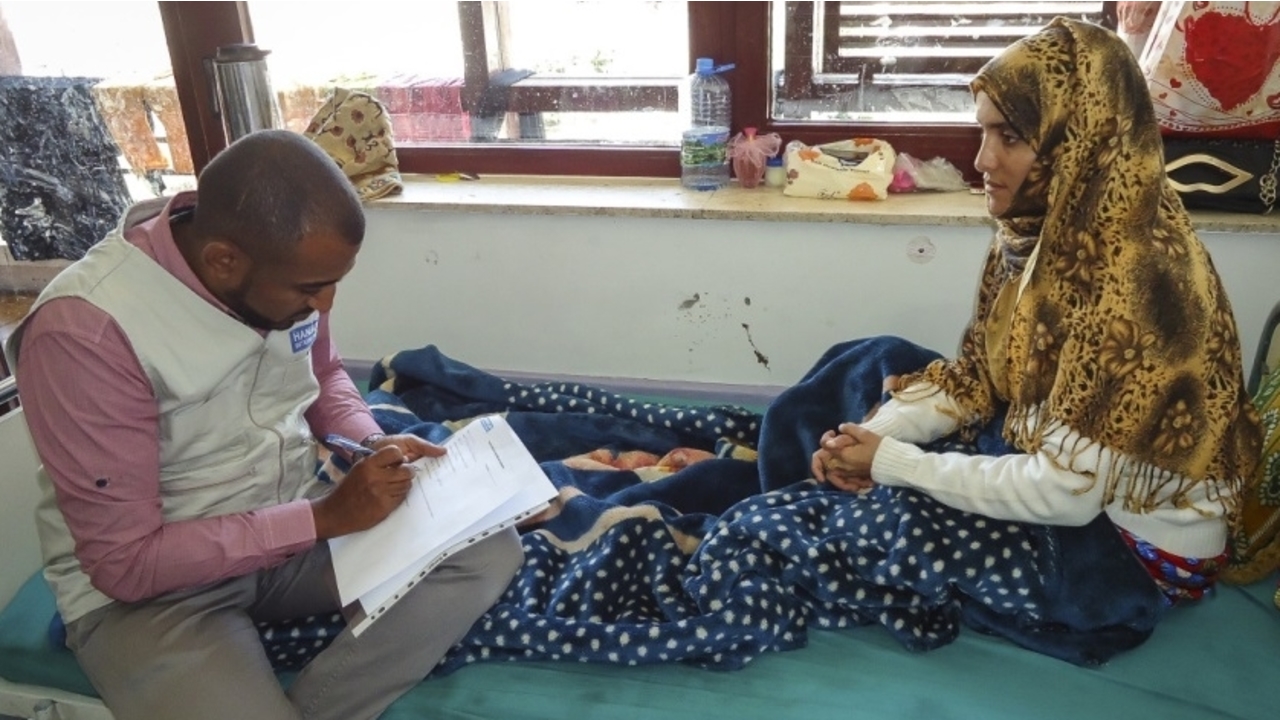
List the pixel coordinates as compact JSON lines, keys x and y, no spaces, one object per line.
{"x":408,"y":55}
{"x":630,"y":55}
{"x":546,"y":72}
{"x":901,"y":62}
{"x":89,"y":122}
{"x":117,"y":51}
{"x":571,"y":38}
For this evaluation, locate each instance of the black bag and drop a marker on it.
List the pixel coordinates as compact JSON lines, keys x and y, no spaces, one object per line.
{"x":1229,"y":175}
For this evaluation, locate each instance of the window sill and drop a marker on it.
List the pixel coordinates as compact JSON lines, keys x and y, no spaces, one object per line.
{"x":26,"y":276}
{"x":665,"y":198}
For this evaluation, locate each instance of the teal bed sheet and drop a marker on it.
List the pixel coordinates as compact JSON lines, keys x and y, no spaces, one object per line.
{"x":1220,"y":659}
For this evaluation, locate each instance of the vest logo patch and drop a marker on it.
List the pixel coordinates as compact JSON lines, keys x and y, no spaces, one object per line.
{"x":302,"y":337}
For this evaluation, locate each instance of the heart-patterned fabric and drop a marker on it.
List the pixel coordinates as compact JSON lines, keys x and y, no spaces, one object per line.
{"x":1214,"y":68}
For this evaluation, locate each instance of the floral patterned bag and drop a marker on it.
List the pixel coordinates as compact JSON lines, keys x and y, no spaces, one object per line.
{"x":858,"y":169}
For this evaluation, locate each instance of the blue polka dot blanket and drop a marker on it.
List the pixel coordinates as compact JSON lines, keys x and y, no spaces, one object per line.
{"x":714,"y":562}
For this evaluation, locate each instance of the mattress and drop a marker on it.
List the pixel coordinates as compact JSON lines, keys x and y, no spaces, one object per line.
{"x":1220,"y":659}
{"x":1216,"y":659}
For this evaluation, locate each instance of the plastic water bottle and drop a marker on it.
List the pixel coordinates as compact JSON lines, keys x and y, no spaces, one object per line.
{"x":704,"y":146}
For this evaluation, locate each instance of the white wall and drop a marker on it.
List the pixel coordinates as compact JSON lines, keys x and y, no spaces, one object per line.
{"x":667,"y":299}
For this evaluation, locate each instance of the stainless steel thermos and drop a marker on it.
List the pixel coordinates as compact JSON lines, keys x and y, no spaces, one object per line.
{"x":242,"y":90}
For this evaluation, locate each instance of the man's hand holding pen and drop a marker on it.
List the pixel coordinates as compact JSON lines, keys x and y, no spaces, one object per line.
{"x":378,"y":481}
{"x":412,"y":446}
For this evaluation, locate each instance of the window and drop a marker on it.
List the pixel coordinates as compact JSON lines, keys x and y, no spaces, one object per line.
{"x":558,"y":71}
{"x":603,"y":72}
{"x":589,"y":87}
{"x":899,"y":61}
{"x":89,"y":122}
{"x":554,"y":87}
{"x":128,"y":81}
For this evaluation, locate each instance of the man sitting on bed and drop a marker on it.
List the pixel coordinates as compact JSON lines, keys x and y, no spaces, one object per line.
{"x":174,"y":381}
{"x":1101,"y":327}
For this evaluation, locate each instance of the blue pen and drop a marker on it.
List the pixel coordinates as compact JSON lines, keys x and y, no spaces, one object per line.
{"x":338,"y":443}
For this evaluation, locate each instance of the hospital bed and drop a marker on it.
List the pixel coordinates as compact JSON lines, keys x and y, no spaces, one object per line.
{"x":24,"y":668}
{"x":1220,"y":659}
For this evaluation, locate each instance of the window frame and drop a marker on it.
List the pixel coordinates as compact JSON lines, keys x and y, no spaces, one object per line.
{"x":850,"y":62}
{"x":736,"y":32}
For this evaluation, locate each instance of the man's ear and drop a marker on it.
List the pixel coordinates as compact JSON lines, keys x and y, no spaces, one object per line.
{"x":224,"y":261}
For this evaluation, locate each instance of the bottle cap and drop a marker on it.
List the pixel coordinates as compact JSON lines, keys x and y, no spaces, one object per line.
{"x":707,"y":66}
{"x":774,"y":162}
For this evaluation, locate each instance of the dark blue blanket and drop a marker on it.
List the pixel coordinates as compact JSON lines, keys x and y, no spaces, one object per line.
{"x":727,"y":558}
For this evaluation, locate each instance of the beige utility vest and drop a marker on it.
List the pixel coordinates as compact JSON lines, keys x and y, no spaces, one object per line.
{"x":232,"y":433}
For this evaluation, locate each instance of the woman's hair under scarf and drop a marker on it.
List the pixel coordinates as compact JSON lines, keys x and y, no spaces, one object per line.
{"x":1119,"y":328}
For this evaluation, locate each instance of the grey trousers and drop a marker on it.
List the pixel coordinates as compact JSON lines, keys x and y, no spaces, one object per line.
{"x":196,"y":654}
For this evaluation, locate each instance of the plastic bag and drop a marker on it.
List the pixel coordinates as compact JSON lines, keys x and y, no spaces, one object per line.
{"x":749,"y":152}
{"x":858,"y":169}
{"x":910,"y":174}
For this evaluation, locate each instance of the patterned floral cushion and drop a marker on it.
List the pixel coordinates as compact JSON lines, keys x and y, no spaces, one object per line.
{"x":354,"y":129}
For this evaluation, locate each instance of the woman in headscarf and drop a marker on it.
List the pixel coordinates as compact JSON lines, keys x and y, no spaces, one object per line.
{"x":1101,"y":329}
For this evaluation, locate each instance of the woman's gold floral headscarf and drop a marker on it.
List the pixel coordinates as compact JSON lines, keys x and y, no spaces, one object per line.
{"x":1099,"y":309}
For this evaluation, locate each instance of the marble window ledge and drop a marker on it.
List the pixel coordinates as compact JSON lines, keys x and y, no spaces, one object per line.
{"x":665,"y":198}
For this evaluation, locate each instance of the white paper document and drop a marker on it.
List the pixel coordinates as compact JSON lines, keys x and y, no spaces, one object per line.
{"x":486,"y":481}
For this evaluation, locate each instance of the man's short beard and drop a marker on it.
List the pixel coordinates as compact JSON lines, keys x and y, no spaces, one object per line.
{"x":235,"y":301}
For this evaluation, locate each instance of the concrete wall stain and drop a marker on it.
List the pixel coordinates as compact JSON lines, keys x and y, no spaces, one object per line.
{"x":760,"y":357}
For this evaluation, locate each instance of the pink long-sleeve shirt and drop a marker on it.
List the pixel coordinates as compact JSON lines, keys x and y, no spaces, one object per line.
{"x":94,"y":421}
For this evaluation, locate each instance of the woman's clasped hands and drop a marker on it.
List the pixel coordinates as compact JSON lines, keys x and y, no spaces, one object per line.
{"x":844,"y":457}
